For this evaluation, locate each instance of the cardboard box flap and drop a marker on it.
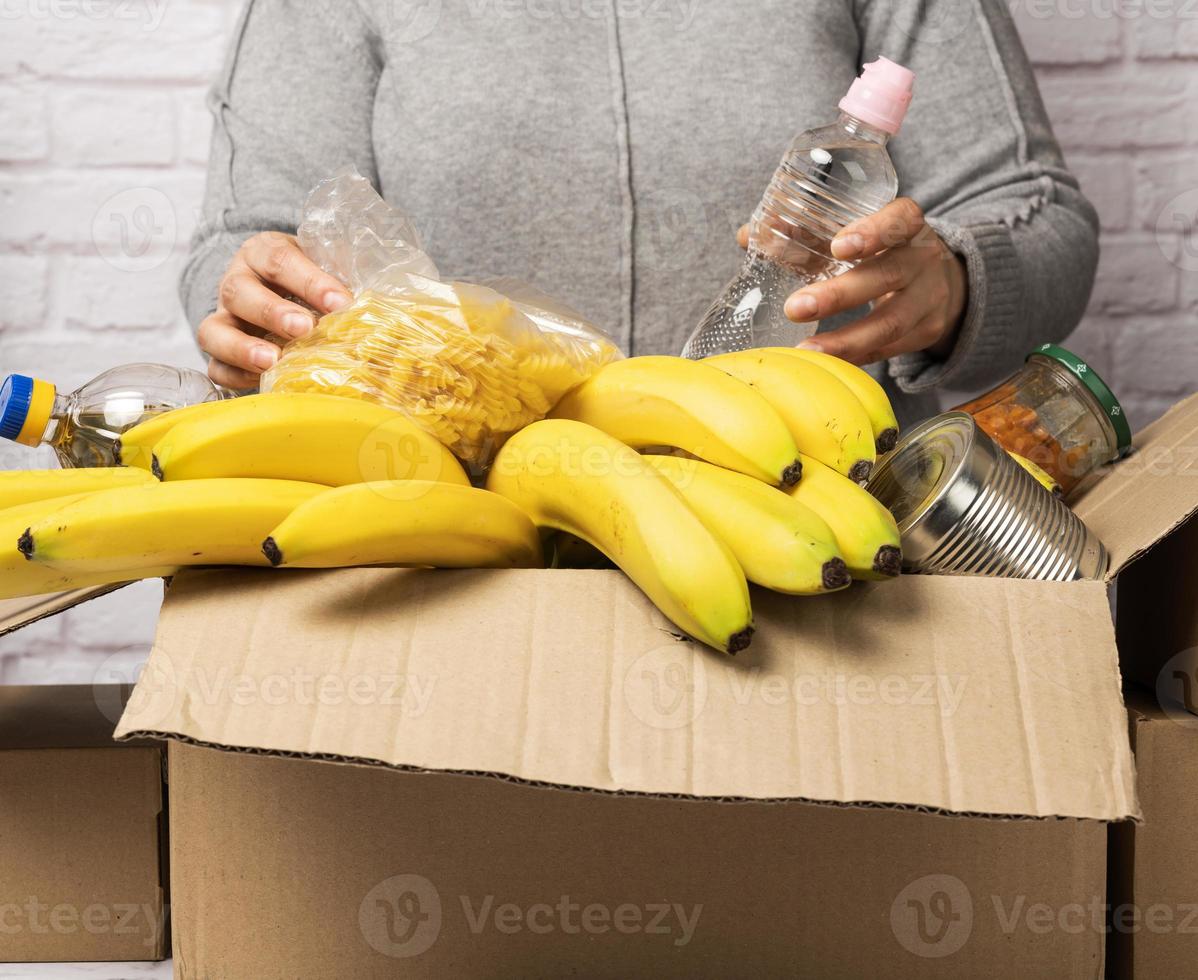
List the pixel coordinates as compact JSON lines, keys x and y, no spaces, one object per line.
{"x":15,"y":613}
{"x":74,"y":716}
{"x":1143,"y":498}
{"x":1011,"y":705}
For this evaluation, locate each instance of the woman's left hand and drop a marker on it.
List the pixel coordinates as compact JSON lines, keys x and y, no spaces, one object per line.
{"x":919,"y":289}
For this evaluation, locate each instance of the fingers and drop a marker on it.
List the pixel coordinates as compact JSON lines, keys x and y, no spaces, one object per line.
{"x":896,"y":224}
{"x":231,"y":377}
{"x":891,"y":328}
{"x":224,"y":338}
{"x":247,"y":298}
{"x":920,"y":337}
{"x":742,"y":236}
{"x":278,"y":260}
{"x":872,"y":279}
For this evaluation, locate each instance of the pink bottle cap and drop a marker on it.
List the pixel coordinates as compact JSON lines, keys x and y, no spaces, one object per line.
{"x":881,"y":95}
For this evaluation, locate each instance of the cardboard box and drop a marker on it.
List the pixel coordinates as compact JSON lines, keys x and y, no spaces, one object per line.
{"x":82,"y":835}
{"x":384,"y":772}
{"x":1144,"y":508}
{"x":1154,"y":882}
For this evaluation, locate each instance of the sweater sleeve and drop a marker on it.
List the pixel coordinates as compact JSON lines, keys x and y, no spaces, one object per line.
{"x":979,"y":156}
{"x":293,"y":104}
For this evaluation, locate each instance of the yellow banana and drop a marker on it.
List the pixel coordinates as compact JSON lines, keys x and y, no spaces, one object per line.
{"x":193,"y":522}
{"x":135,"y":447}
{"x":670,"y":401}
{"x":1042,"y":476}
{"x":305,"y":437}
{"x":779,"y":543}
{"x":29,"y":486}
{"x":20,"y":577}
{"x":824,"y":416}
{"x":865,"y":530}
{"x":405,"y":522}
{"x":872,"y":395}
{"x":572,"y":477}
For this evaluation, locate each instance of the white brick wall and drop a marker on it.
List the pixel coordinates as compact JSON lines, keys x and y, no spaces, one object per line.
{"x":103,"y":134}
{"x":103,"y":139}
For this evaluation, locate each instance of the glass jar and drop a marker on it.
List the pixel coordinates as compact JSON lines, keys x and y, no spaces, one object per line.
{"x":1058,"y":413}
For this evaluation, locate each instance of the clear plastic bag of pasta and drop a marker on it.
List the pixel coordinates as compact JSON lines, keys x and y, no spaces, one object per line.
{"x":471,"y":362}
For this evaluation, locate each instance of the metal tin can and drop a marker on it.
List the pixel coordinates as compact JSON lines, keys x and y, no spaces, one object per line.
{"x":965,"y":507}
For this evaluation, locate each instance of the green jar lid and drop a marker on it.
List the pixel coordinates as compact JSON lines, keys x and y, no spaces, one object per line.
{"x":1096,"y":386}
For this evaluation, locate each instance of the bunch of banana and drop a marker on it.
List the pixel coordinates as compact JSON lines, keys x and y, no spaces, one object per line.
{"x":318,"y":481}
{"x":572,"y":477}
{"x":826,"y":419}
{"x":411,"y":522}
{"x":780,"y":543}
{"x":865,"y":531}
{"x":304,"y":437}
{"x":669,"y":401}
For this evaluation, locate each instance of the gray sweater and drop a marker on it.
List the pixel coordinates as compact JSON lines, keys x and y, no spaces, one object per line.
{"x":607,"y":150}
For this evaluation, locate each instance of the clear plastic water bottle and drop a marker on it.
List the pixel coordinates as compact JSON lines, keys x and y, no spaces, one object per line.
{"x":82,"y":426}
{"x":829,"y":178}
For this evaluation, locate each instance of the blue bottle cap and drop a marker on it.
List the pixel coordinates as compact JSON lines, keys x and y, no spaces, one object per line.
{"x":16,"y":395}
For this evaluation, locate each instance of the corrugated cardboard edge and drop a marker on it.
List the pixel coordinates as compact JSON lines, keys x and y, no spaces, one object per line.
{"x":18,"y":613}
{"x":596,"y":791}
{"x":1162,"y":472}
{"x":185,"y":726}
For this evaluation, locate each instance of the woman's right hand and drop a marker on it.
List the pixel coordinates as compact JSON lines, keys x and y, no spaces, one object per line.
{"x":253,"y":318}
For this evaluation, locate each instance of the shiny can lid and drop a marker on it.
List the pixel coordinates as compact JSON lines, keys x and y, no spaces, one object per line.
{"x":1102,"y":393}
{"x":924,"y":482}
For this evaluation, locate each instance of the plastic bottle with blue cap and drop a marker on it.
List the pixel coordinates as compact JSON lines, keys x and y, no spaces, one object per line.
{"x":82,"y":426}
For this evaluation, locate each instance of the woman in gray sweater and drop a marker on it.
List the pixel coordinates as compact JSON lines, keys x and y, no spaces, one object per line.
{"x":608,"y":150}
